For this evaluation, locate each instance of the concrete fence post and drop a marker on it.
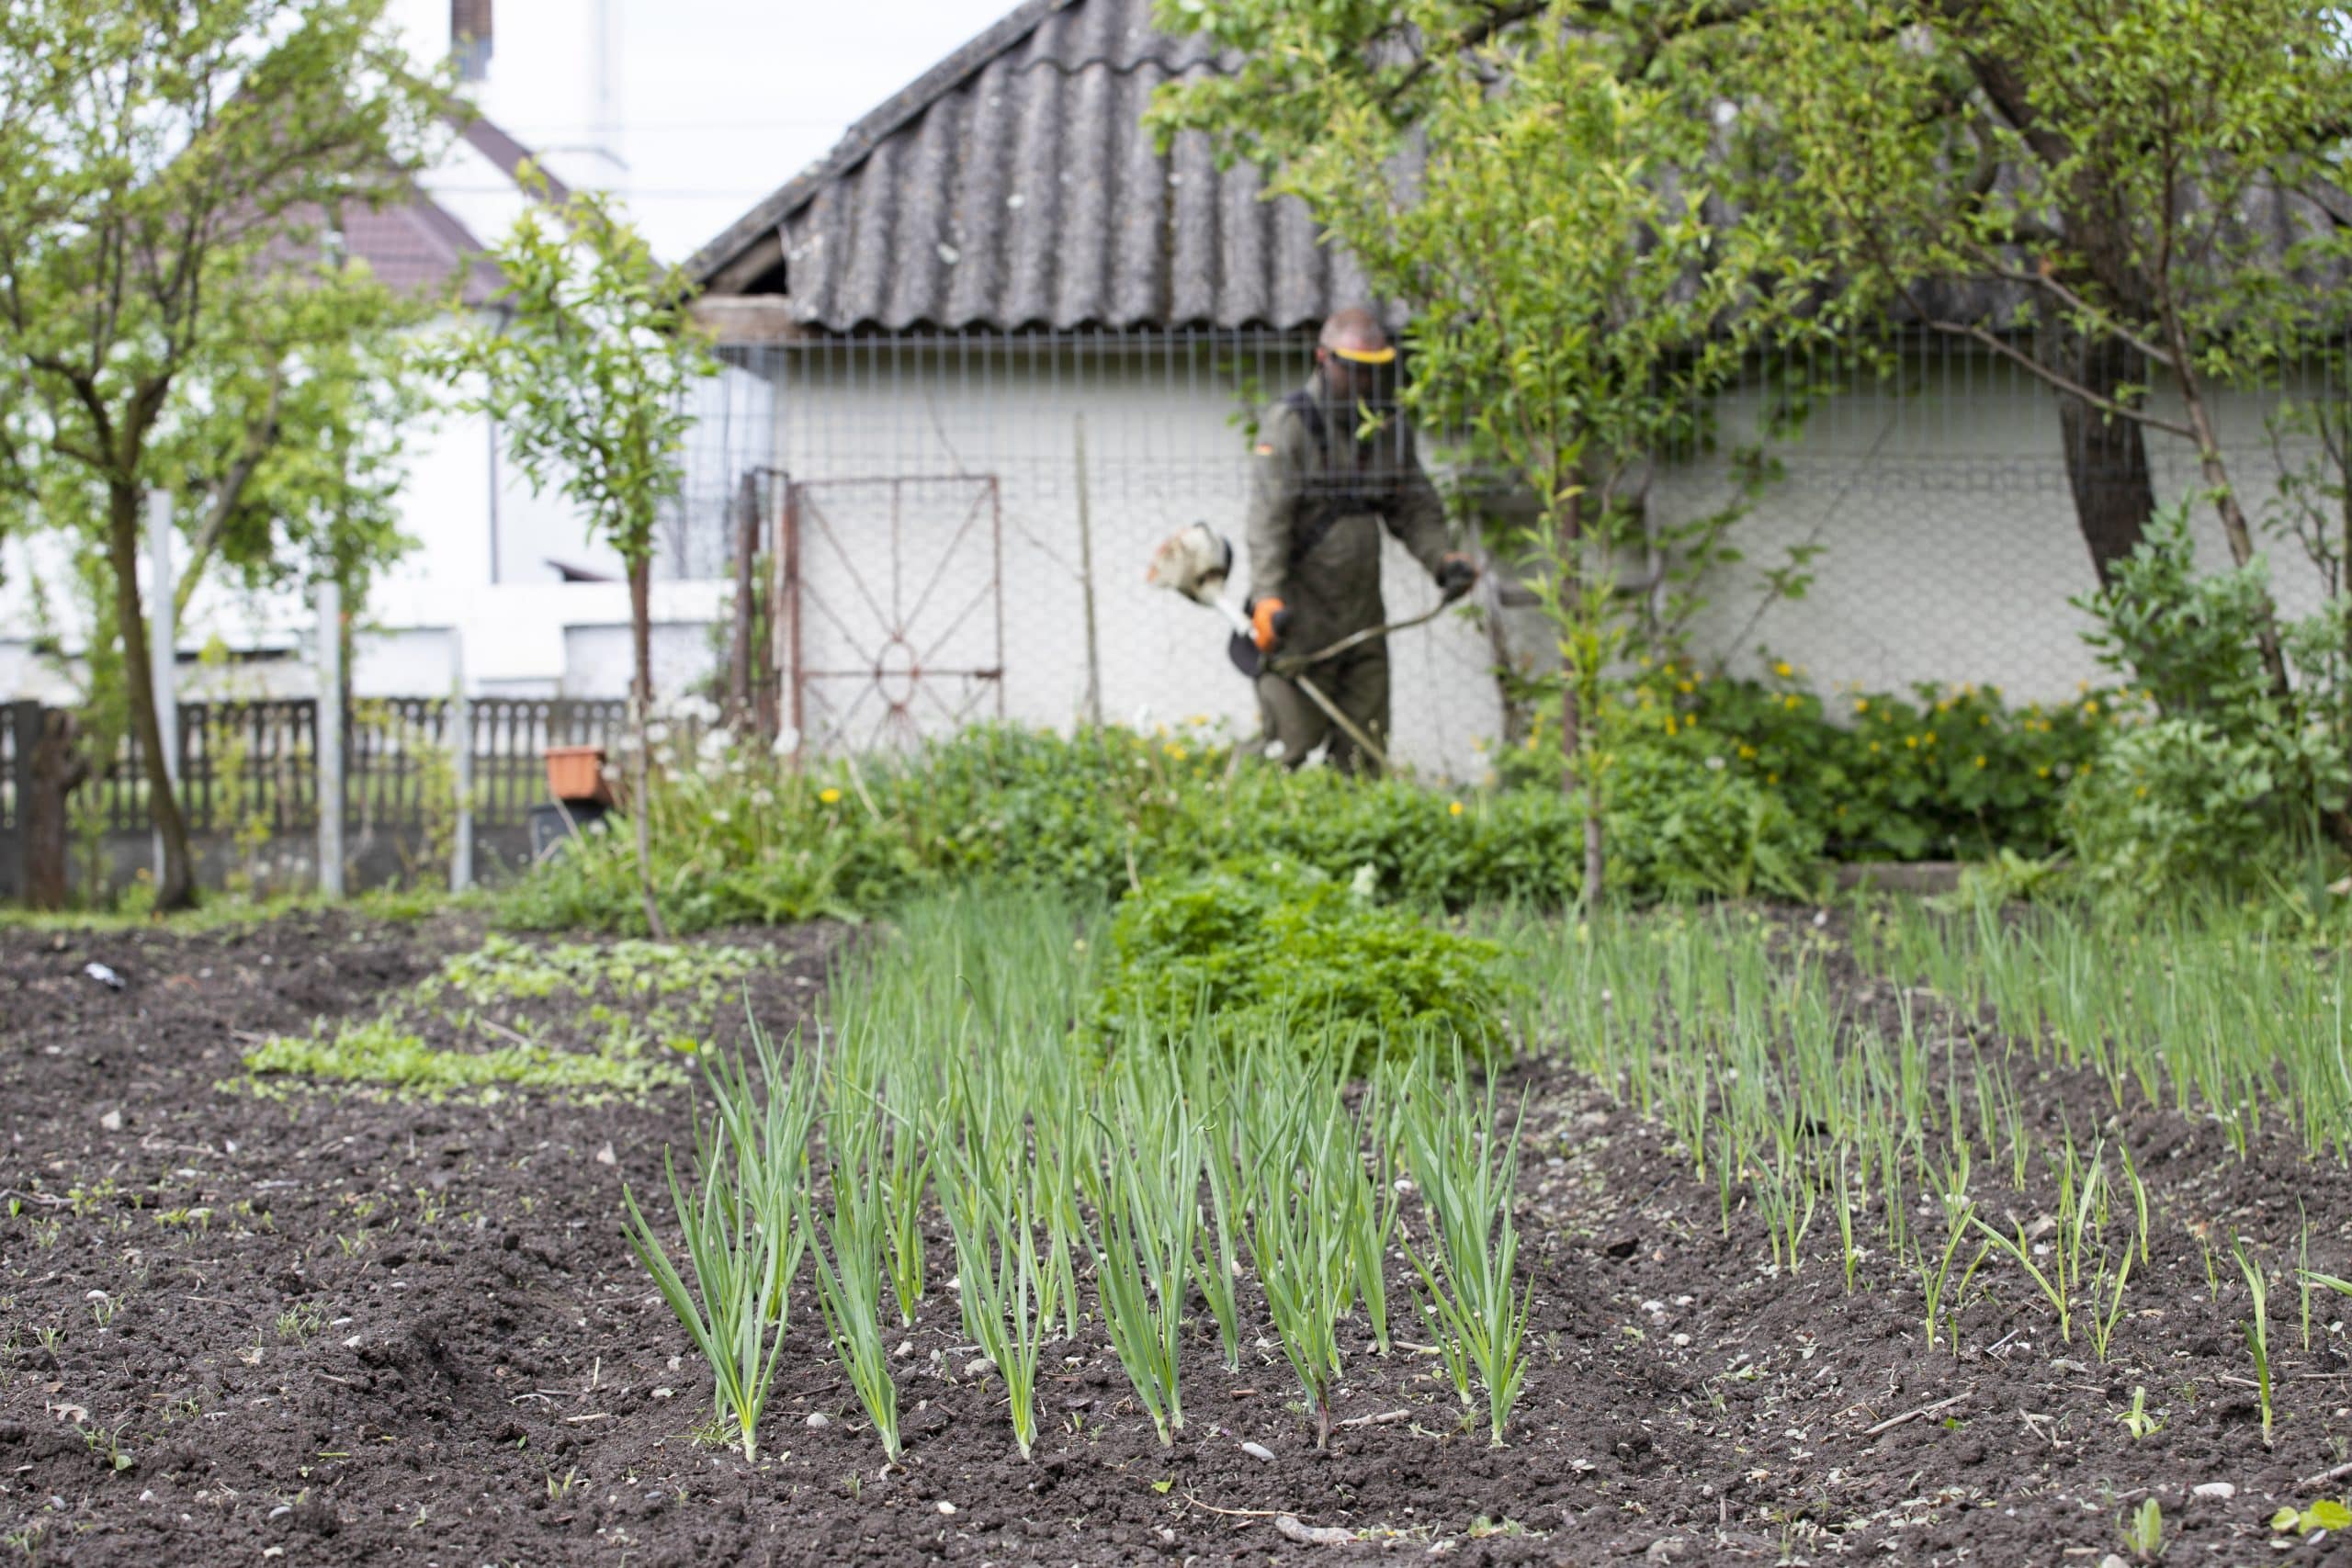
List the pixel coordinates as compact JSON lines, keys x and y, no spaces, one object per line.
{"x":163,"y":651}
{"x":462,"y":766}
{"x":330,"y":655}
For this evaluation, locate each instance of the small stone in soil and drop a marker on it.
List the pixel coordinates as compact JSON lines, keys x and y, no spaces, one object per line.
{"x":1259,"y":1450}
{"x":818,"y":1421}
{"x":2217,"y":1490}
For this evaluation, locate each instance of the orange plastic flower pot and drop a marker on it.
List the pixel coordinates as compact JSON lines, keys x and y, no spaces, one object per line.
{"x":577,"y":773}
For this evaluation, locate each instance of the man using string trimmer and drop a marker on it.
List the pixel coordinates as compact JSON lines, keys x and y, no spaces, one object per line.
{"x":1333,"y":462}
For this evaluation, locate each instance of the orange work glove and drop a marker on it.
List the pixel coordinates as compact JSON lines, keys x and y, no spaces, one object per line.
{"x":1269,"y":618}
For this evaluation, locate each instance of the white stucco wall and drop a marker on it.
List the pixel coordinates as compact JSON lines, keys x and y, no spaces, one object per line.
{"x":1950,"y":546}
{"x":1949,"y":549}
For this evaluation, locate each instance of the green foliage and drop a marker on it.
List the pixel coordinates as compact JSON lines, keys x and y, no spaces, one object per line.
{"x":586,"y":376}
{"x":2235,"y":771}
{"x":175,"y":312}
{"x":742,"y":841}
{"x":1272,"y":949}
{"x":1575,"y":294}
{"x":588,"y":373}
{"x":2046,"y":144}
{"x":1938,"y":772}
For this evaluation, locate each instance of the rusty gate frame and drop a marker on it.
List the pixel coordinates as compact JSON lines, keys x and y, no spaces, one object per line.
{"x":792,"y":596}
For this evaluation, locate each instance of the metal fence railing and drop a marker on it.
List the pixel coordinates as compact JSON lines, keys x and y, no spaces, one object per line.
{"x":253,"y":765}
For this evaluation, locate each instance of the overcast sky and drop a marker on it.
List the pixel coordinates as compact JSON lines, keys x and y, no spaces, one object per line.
{"x":724,"y":100}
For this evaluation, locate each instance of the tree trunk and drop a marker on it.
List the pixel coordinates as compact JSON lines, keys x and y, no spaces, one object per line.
{"x":2216,"y":473}
{"x":58,"y":767}
{"x":177,"y":888}
{"x":2106,"y":460}
{"x":640,"y":628}
{"x":1574,"y":771}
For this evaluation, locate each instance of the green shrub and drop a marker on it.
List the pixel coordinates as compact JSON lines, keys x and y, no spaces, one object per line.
{"x":2235,"y":775}
{"x":1942,"y":771}
{"x":1272,"y":948}
{"x":741,"y":841}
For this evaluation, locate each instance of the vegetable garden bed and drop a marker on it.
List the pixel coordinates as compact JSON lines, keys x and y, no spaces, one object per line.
{"x":242,"y":1314}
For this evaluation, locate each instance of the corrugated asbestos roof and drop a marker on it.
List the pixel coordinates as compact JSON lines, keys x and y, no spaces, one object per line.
{"x":1014,"y":186}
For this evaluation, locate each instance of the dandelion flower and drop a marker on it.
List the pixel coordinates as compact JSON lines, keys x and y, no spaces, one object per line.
{"x":1783,"y":669}
{"x":829,"y":795}
{"x":1453,"y":809}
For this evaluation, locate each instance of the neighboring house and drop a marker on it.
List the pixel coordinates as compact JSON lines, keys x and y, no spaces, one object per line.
{"x":540,"y":606}
{"x":997,"y":268}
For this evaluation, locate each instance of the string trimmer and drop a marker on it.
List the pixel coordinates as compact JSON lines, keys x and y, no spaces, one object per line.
{"x":1196,"y":561}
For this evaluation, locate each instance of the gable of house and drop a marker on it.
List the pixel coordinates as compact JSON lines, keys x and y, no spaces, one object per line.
{"x":1015,"y":187}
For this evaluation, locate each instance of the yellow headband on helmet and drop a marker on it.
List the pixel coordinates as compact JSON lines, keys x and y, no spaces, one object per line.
{"x":1366,"y":356}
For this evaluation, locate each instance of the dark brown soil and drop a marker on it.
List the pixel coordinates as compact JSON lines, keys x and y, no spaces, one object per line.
{"x":413,"y":1332}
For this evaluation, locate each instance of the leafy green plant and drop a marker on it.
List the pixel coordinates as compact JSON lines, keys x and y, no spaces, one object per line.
{"x":2327,"y":1514}
{"x":1268,"y":949}
{"x":1298,"y":1242}
{"x":2136,"y":1420}
{"x":737,"y":1268}
{"x":849,"y":1291}
{"x":1467,"y":1169}
{"x":1142,"y":1181}
{"x":742,"y":839}
{"x":2257,"y":1329}
{"x":2143,"y":1531}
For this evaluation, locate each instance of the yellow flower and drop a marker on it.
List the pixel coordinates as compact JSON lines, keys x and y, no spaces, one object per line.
{"x":1175,"y":753}
{"x":1669,"y":724}
{"x":1911,"y":742}
{"x":1746,"y":752}
{"x":1783,"y":670}
{"x":1454,"y":809}
{"x":829,"y":796}
{"x":1980,"y":759}
{"x":1790,"y":701}
{"x":2090,"y":710}
{"x":1862,"y":704}
{"x":1771,"y":778}
{"x":1873,"y":748}
{"x":1686,"y":687}
{"x":2043,"y":772}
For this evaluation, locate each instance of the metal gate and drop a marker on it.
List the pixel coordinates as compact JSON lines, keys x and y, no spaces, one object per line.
{"x":893,"y":609}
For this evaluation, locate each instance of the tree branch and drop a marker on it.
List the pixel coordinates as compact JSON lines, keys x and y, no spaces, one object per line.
{"x":259,"y":439}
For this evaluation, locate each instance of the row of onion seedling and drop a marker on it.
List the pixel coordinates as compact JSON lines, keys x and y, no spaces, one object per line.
{"x":1170,"y":1189}
{"x":1808,"y":1092}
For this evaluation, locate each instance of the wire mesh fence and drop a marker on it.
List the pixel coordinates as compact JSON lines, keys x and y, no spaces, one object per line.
{"x":1930,"y":502}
